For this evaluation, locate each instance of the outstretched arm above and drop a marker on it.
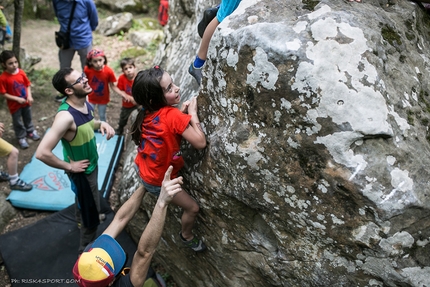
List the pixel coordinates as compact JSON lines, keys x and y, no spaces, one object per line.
{"x":125,"y":213}
{"x":151,"y":235}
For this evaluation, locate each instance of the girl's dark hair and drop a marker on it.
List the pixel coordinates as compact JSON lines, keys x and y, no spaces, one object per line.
{"x":6,"y":55}
{"x":147,"y":91}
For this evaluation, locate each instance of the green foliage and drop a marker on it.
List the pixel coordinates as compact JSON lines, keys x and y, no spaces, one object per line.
{"x":152,"y":47}
{"x":411,"y":117}
{"x":134,"y":52}
{"x":41,"y":82}
{"x":310,"y":4}
{"x":145,"y":24}
{"x":104,"y":13}
{"x":168,"y":279}
{"x":38,"y":10}
{"x":391,"y":36}
{"x":120,"y":36}
{"x":41,"y":76}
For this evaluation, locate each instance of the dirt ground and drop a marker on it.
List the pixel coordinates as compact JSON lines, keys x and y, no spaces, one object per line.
{"x":38,"y":40}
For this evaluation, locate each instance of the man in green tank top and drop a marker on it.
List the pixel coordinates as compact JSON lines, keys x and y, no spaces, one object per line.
{"x":74,"y":126}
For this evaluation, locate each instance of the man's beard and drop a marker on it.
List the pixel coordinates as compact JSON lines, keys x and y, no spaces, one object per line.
{"x":80,"y":94}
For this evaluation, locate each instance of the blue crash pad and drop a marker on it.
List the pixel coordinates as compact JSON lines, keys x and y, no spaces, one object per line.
{"x":51,"y":187}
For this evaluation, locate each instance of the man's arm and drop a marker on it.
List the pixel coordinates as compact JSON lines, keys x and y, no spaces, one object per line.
{"x":125,"y":213}
{"x":62,"y":124}
{"x":152,"y":233}
{"x":92,"y":15}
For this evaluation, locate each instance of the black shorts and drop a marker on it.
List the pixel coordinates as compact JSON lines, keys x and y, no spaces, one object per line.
{"x":123,"y":281}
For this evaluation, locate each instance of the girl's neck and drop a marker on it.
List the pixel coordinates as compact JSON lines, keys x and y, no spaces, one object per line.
{"x":14,"y":72}
{"x":99,"y":69}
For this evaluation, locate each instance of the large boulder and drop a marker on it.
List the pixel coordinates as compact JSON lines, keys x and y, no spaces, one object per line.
{"x":136,"y":6}
{"x":143,"y":38}
{"x":316,"y":170}
{"x":115,"y":24}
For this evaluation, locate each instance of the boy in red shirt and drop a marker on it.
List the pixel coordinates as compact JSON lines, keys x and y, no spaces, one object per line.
{"x":15,"y":87}
{"x":125,"y":82}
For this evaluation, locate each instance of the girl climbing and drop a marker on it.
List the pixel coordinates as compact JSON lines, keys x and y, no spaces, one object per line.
{"x":157,"y":131}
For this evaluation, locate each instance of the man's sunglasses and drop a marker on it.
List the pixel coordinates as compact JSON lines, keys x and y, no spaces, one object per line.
{"x":78,"y":80}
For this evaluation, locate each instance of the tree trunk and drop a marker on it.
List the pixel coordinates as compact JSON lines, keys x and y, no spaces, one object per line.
{"x":19,"y":8}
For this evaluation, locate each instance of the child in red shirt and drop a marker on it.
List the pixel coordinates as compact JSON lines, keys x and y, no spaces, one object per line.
{"x":157,"y":131}
{"x":15,"y":88}
{"x":125,"y":82}
{"x":100,"y":78}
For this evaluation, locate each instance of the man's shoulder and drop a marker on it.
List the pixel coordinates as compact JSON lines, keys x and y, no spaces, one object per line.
{"x":64,"y":106}
{"x":87,"y":3}
{"x":64,"y":113}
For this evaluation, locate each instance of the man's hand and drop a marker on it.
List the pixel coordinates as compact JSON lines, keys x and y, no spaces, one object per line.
{"x":169,"y":188}
{"x":107,"y":130}
{"x":78,"y":166}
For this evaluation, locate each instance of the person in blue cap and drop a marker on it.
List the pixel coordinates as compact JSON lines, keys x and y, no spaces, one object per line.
{"x":102,"y":262}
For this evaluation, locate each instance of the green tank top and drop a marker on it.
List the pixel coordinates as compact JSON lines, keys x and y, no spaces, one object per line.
{"x":83,"y":146}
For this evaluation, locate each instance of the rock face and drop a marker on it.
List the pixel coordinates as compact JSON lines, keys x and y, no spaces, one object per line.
{"x":316,"y":170}
{"x":125,"y":5}
{"x":115,"y":24}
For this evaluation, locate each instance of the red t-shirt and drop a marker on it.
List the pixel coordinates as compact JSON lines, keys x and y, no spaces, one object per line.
{"x":124,"y":84}
{"x":15,"y":85}
{"x":161,"y":144}
{"x":99,"y":82}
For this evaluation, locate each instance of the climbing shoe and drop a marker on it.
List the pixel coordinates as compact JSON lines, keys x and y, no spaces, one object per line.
{"x":21,"y":185}
{"x":196,"y":73}
{"x":208,"y":16}
{"x":195,"y":244}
